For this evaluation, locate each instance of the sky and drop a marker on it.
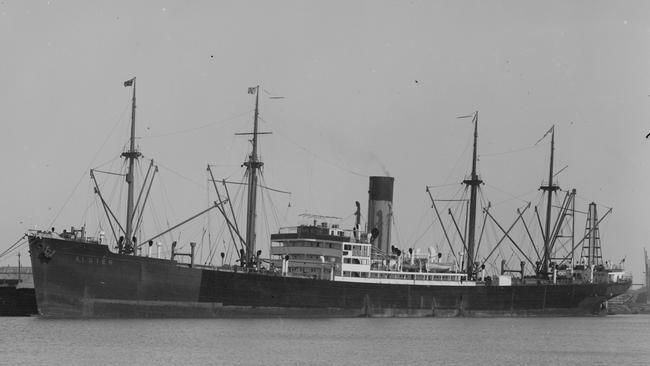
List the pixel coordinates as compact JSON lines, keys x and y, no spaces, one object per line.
{"x":368,"y":87}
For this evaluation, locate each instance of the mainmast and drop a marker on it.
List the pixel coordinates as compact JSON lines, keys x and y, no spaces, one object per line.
{"x":473,"y":183}
{"x":131,"y":155}
{"x":550,"y":188}
{"x":252,"y":166}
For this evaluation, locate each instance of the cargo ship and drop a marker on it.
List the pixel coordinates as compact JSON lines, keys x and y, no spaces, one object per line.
{"x":317,"y":269}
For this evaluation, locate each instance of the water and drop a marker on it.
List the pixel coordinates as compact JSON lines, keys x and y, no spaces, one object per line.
{"x":613,"y":340}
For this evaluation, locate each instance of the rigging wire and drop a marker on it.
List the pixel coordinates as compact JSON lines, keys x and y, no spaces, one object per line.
{"x":110,"y":161}
{"x":110,"y":197}
{"x":236,"y":200}
{"x":119,"y":119}
{"x":460,"y":156}
{"x":423,"y":215}
{"x":513,"y":197}
{"x":180,"y":175}
{"x":460,"y":191}
{"x":278,"y":130}
{"x":240,"y":197}
{"x":90,"y":204}
{"x":586,"y":201}
{"x":192,"y":129}
{"x":396,"y":226}
{"x":443,"y":185}
{"x":18,"y":244}
{"x":117,"y":189}
{"x":423,"y":234}
{"x":217,"y":242}
{"x":266,"y":225}
{"x":509,"y":151}
{"x":276,"y":217}
{"x":310,"y":201}
{"x":207,"y":222}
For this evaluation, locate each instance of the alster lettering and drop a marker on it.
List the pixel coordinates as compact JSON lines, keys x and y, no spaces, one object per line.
{"x":103,"y":261}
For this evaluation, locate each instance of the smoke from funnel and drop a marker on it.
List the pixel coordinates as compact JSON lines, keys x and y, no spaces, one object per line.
{"x":383,"y":167}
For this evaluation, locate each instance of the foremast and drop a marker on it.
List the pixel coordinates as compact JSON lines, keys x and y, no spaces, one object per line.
{"x":253,"y":164}
{"x":131,"y":155}
{"x":474,"y":182}
{"x":549,"y":189}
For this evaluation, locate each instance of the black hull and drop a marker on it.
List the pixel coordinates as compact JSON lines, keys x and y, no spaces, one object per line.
{"x":75,"y":279}
{"x":17,"y":301}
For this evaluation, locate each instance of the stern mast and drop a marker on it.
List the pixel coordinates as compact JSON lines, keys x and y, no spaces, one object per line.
{"x":550,"y":188}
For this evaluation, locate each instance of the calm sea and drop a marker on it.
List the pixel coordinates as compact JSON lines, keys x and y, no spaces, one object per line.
{"x":613,"y":340}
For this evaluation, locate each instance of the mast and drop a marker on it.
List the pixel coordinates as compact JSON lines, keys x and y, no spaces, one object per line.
{"x":131,"y":155}
{"x":591,"y":249}
{"x":647,"y":276}
{"x":252,"y":166}
{"x":473,"y":183}
{"x":550,"y":188}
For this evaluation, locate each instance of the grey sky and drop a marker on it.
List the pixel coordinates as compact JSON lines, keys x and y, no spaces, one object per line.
{"x":370,"y":87}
